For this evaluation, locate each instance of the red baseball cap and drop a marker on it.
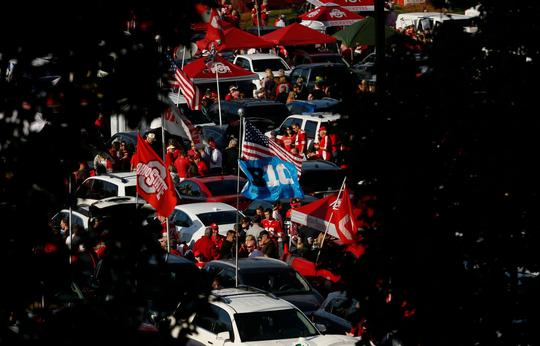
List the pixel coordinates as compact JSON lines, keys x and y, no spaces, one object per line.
{"x":322,"y":128}
{"x":214,"y":226}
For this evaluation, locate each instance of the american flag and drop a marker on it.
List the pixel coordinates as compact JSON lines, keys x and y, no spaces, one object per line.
{"x":188,"y":89}
{"x":255,"y":146}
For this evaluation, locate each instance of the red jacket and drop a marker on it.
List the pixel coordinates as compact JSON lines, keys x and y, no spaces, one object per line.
{"x":206,"y":247}
{"x":300,"y":141}
{"x":325,"y":148}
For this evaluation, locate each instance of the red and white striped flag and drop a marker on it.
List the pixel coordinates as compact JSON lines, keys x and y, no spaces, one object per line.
{"x":188,"y":89}
{"x":256,"y":146}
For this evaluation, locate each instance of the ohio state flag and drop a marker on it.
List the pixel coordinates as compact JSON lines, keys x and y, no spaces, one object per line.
{"x":343,"y":218}
{"x":154,"y":183}
{"x":215,"y":29}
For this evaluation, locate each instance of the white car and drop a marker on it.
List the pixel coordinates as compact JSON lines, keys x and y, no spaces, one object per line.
{"x":310,"y":123}
{"x":102,"y":186}
{"x":258,"y":63}
{"x":247,"y":316}
{"x":190,"y":220}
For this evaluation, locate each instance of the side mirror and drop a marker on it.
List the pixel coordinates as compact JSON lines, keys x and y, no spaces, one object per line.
{"x":321,"y":327}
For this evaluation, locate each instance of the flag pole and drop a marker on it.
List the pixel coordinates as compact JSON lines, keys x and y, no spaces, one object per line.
{"x":183,"y":56}
{"x":238,"y":195}
{"x":341,"y":189}
{"x":166,"y":172}
{"x":70,"y":218}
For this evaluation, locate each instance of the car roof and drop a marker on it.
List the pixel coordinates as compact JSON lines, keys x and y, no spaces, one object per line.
{"x":204,"y":206}
{"x":318,"y":64}
{"x":127,"y":178}
{"x":318,"y":164}
{"x":317,"y":115}
{"x":254,"y":101}
{"x":214,"y":178}
{"x":244,"y":300}
{"x":253,"y":263}
{"x":260,"y":56}
{"x":119,"y":200}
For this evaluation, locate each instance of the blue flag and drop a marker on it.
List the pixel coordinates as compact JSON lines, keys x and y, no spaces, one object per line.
{"x":270,"y":179}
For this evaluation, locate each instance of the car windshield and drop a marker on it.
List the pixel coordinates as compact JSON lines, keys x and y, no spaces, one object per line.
{"x":327,"y":58}
{"x":275,"y":280}
{"x":273,"y":325}
{"x":224,"y":187}
{"x":219,"y":217}
{"x":273,"y":64}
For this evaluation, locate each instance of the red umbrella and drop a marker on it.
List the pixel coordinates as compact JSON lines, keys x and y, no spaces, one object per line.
{"x":351,"y":5}
{"x":203,"y":71}
{"x":237,"y":39}
{"x":332,"y":15}
{"x":297,"y":35}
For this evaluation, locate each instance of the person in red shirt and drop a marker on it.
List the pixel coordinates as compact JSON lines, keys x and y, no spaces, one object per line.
{"x":325,"y":145}
{"x":182,"y":164}
{"x":206,"y":246}
{"x":287,"y":140}
{"x":300,"y":138}
{"x":234,"y":93}
{"x":216,"y":237}
{"x":272,"y":225}
{"x":201,"y":165}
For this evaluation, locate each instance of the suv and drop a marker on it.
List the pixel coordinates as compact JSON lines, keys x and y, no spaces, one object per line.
{"x":320,"y":178}
{"x":99,"y":187}
{"x":258,"y":63}
{"x":338,"y":76}
{"x":264,"y":114}
{"x":271,"y":275}
{"x":310,"y":123}
{"x":246,"y":316}
{"x":300,"y":56}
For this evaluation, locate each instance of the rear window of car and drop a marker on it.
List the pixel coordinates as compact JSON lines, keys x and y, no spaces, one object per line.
{"x":219,"y":217}
{"x":275,"y":280}
{"x":131,"y":191}
{"x":273,"y":64}
{"x":224,"y":187}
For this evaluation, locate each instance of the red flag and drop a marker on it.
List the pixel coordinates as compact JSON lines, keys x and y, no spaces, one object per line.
{"x":154,"y":183}
{"x":343,"y":218}
{"x":215,"y":28}
{"x":188,"y":89}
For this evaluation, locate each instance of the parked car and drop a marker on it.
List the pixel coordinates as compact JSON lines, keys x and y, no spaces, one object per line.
{"x":219,"y":188}
{"x":301,"y":56}
{"x":244,"y":316}
{"x":190,"y":220}
{"x":264,"y":114}
{"x":79,"y":216}
{"x":326,"y":105}
{"x":310,"y":123}
{"x":320,"y":178}
{"x":336,"y":311}
{"x":271,"y":275}
{"x":338,"y":76}
{"x":258,"y":63}
{"x":106,"y":185}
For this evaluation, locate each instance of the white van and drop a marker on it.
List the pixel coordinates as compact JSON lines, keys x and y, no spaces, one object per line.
{"x":310,"y":123}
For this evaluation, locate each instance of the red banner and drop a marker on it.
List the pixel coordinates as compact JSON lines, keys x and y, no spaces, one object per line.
{"x":154,"y":183}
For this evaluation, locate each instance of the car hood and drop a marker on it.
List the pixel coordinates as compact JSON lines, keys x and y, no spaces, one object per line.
{"x":326,"y":340}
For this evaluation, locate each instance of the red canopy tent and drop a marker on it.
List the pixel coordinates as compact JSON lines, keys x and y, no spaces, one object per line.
{"x":351,"y":5}
{"x":236,"y":39}
{"x":332,"y":15}
{"x":297,"y":35}
{"x":204,"y":71}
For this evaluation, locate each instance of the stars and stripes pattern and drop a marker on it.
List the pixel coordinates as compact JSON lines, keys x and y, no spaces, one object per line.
{"x":256,"y":145}
{"x":188,"y":89}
